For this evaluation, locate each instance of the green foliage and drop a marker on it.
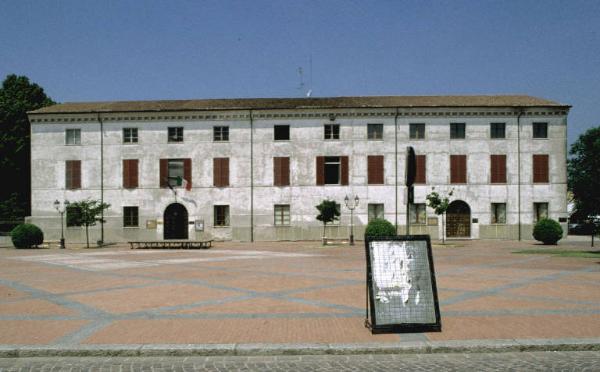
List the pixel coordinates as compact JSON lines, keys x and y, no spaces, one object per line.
{"x":85,"y":213}
{"x":378,"y":227}
{"x":328,"y":211}
{"x":439,"y":204}
{"x":583,"y":171}
{"x":26,"y":235}
{"x":547,"y":231}
{"x":17,"y":96}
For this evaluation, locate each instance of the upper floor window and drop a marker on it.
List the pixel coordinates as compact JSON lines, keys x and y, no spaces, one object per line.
{"x":281,"y":132}
{"x":175,"y":134}
{"x":417,"y":130}
{"x":220,"y":134}
{"x":540,"y":130}
{"x":540,"y":168}
{"x":374,"y":131}
{"x":130,"y":135}
{"x":73,"y":137}
{"x":331,"y":131}
{"x":458,"y":168}
{"x":73,"y":174}
{"x":497,"y":130}
{"x":457,"y":130}
{"x":176,"y":173}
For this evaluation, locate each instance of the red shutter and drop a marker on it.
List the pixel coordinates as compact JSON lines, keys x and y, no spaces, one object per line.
{"x":344,"y":161}
{"x":540,"y":169}
{"x":498,"y":168}
{"x":164,"y":169}
{"x":458,"y":169}
{"x":375,"y":170}
{"x":420,"y":175}
{"x":320,"y":170}
{"x":187,"y":172}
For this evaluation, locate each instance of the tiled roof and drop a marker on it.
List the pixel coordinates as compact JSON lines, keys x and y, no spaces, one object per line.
{"x":297,"y":103}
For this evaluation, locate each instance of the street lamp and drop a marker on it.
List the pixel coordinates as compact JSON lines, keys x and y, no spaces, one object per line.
{"x":351,"y":204}
{"x":57,"y":206}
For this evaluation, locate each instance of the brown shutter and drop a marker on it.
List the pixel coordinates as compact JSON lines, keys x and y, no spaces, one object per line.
{"x":276,"y":171}
{"x":133,"y":173}
{"x":458,"y":169}
{"x":420,"y":175}
{"x":375,"y":170}
{"x":77,"y":174}
{"x":463,"y":167}
{"x":164,"y":169}
{"x":344,"y":161}
{"x":281,"y":171}
{"x":126,"y":171}
{"x":498,"y":168}
{"x":73,"y":174}
{"x":320,"y":170}
{"x":216,"y":172}
{"x":540,"y":169}
{"x":453,"y":170}
{"x":225,"y":171}
{"x":187,"y":171}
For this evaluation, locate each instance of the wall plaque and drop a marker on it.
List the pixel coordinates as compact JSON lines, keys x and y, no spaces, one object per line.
{"x":401,"y":288}
{"x":199,"y":225}
{"x":151,"y":224}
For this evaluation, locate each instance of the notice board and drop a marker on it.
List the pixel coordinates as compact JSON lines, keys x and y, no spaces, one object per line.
{"x":401,"y":288}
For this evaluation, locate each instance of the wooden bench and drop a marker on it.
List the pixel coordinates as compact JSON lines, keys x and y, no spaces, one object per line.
{"x":172,"y":244}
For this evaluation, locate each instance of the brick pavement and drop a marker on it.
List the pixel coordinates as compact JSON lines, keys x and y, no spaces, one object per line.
{"x":283,"y":293}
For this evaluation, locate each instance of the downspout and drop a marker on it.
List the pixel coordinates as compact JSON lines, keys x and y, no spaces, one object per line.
{"x":101,"y":179}
{"x":519,"y":170}
{"x":396,"y":167}
{"x":251,"y":177}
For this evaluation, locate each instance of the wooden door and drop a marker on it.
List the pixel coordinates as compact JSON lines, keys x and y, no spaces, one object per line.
{"x":458,"y":220}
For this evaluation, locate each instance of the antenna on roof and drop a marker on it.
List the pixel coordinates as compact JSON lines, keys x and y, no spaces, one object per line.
{"x":302,"y":85}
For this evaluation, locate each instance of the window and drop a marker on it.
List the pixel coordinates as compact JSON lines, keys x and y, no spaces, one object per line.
{"x":457,"y":130}
{"x":375,"y":211}
{"x":375,"y":171}
{"x":220,"y":134}
{"x":421,"y":171}
{"x":540,"y":130}
{"x":73,"y":216}
{"x":417,"y":213}
{"x":281,"y":171}
{"x":499,"y":213}
{"x":130,"y":135}
{"x":338,"y":208}
{"x":130,"y":173}
{"x":540,"y":211}
{"x":281,"y":132}
{"x":130,"y":216}
{"x":540,"y":169}
{"x":498,"y":168}
{"x":221,"y":172}
{"x":175,"y":134}
{"x":417,"y":131}
{"x":374,"y":131}
{"x":73,"y":174}
{"x":332,"y":131}
{"x":332,"y":170}
{"x":497,"y":130}
{"x":458,"y":168}
{"x":282,"y":214}
{"x":221,"y":215}
{"x":73,"y":137}
{"x":176,"y":172}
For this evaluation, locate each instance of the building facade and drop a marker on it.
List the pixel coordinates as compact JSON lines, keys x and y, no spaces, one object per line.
{"x":254,"y":169}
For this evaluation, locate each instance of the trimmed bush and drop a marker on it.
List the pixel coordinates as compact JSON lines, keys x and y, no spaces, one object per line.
{"x":380,"y":227}
{"x":26,"y":235}
{"x":547,"y":231}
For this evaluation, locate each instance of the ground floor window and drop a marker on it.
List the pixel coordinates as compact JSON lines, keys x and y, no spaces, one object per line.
{"x":540,"y":211}
{"x":417,"y":213}
{"x":282,"y":214}
{"x":221,"y":215}
{"x":73,"y":216}
{"x":375,"y":211}
{"x":130,"y":216}
{"x":499,"y":213}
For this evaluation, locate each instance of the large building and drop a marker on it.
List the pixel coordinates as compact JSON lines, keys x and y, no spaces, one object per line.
{"x":254,"y":169}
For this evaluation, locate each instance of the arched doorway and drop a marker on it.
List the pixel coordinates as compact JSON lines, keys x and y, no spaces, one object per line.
{"x":458,"y":220}
{"x":176,"y":222}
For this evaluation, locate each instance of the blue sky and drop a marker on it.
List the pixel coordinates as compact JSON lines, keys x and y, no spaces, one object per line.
{"x":128,"y":50}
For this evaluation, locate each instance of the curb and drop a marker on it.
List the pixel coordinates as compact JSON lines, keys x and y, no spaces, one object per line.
{"x":421,"y":347}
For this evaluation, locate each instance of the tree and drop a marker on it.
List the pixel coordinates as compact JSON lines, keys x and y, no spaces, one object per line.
{"x":328,"y":212}
{"x":440,"y":206}
{"x":584,"y":171}
{"x":17,"y":96}
{"x":86,"y":213}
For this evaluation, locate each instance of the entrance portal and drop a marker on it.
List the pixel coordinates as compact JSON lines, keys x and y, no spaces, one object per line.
{"x":176,"y":222}
{"x":458,"y":220}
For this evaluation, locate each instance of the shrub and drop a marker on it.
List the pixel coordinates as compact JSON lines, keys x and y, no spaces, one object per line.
{"x":380,"y":227}
{"x":26,"y":235}
{"x":547,"y":231}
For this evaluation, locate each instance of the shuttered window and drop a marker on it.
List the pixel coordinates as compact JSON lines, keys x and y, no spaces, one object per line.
{"x":130,"y":173}
{"x":281,"y":171}
{"x":540,"y":169}
{"x":421,"y":173}
{"x":221,"y":172}
{"x":73,"y":174}
{"x":458,"y":168}
{"x":498,"y":168}
{"x":375,"y":174}
{"x":332,"y":170}
{"x":176,"y":172}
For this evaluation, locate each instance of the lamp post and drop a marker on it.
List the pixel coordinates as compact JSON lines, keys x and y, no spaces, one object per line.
{"x":351,"y":204}
{"x":61,"y":211}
